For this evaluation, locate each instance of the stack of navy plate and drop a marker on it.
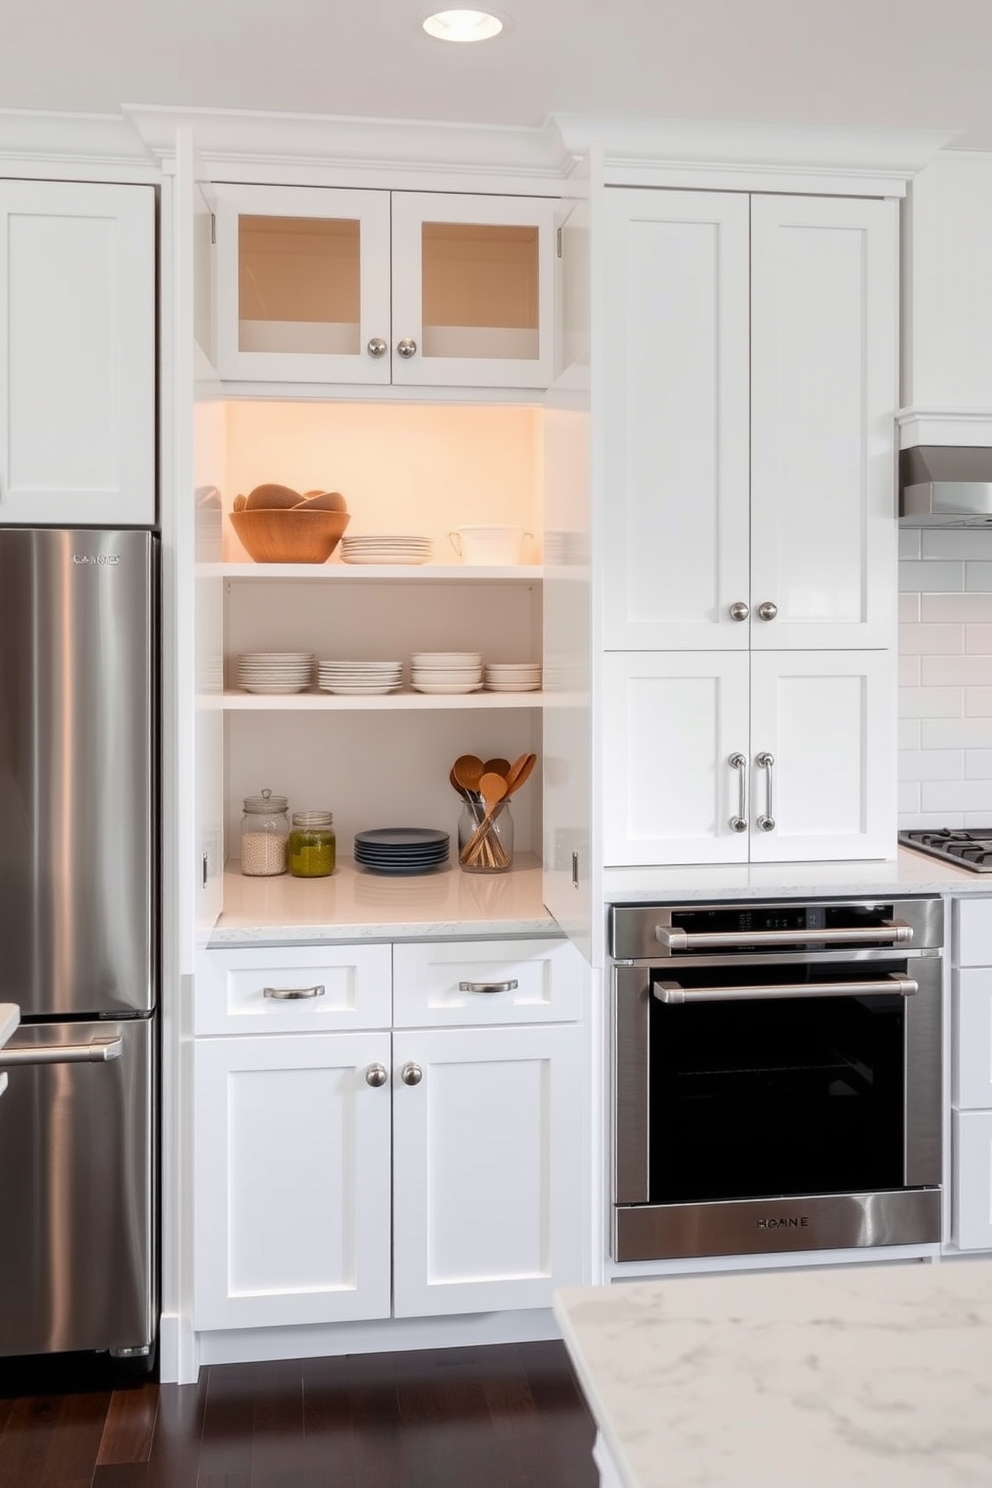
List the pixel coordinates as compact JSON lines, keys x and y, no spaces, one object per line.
{"x":401,"y":849}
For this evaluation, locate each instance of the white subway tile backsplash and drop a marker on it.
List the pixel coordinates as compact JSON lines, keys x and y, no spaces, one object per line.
{"x":910,"y":671}
{"x":946,"y":577}
{"x":909,"y":607}
{"x":965,"y":607}
{"x":934,"y":820}
{"x":908,"y":796}
{"x":978,"y":576}
{"x":908,"y":733}
{"x":978,"y":764}
{"x":932,"y":702}
{"x":977,"y":702}
{"x":909,"y":542}
{"x":956,"y":733}
{"x":978,"y":640}
{"x":955,"y":671}
{"x":918,"y":640}
{"x":933,"y":764}
{"x":966,"y":795}
{"x":959,"y":542}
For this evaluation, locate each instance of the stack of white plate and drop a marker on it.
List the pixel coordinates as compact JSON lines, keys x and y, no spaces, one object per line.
{"x":275,"y":671}
{"x":355,"y":678}
{"x":386,"y":549}
{"x":446,"y":671}
{"x":512,"y":676}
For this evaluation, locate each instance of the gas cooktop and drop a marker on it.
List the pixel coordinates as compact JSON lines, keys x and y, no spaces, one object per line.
{"x":966,"y":847}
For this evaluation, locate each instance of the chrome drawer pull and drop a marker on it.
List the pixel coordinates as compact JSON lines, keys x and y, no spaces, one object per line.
{"x":890,"y":932}
{"x":672,"y":992}
{"x":765,"y":761}
{"x":738,"y":762}
{"x":288,"y":994}
{"x":99,"y":1051}
{"x":510,"y":986}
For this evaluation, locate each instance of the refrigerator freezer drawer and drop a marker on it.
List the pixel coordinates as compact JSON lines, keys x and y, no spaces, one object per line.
{"x":77,"y":1179}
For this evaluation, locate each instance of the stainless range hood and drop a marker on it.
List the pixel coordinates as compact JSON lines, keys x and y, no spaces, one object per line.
{"x":945,"y":485}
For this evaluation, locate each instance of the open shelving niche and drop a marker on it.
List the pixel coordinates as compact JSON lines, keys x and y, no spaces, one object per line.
{"x":382,"y":760}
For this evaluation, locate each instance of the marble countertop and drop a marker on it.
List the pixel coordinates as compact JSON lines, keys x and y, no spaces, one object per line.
{"x":354,"y":905}
{"x":908,"y":873}
{"x":873,"y":1375}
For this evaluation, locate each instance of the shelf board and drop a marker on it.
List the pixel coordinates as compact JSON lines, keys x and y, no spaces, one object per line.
{"x":356,"y":573}
{"x":389,"y":702}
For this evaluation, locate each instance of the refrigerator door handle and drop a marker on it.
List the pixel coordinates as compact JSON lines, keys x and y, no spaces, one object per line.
{"x":99,"y":1050}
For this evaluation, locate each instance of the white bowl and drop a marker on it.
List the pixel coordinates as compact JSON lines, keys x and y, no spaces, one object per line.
{"x":446,"y":659}
{"x":442,"y":675}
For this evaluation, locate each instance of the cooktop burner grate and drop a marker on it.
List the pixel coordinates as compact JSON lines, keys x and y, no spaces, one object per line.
{"x":966,"y":847}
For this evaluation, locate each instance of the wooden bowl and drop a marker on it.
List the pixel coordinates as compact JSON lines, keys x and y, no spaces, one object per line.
{"x":322,"y":501}
{"x":290,"y":536}
{"x":271,"y":498}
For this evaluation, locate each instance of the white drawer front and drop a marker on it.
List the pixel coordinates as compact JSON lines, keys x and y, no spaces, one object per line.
{"x":972,"y":942}
{"x":332,"y":987}
{"x":973,"y":1037}
{"x":487,"y":981}
{"x":971,"y":1218}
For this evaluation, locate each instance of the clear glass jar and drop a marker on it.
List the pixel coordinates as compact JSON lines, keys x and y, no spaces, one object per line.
{"x":264,"y":835}
{"x":312,"y":844}
{"x":485,"y":844}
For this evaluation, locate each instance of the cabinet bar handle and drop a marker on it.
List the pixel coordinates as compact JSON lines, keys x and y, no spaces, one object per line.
{"x":889,"y":932}
{"x":738,"y":762}
{"x":510,"y":986}
{"x":288,"y":994}
{"x":99,"y":1051}
{"x":673,"y":992}
{"x":765,"y":761}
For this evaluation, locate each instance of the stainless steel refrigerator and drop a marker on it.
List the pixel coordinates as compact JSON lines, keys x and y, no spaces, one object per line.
{"x":78,"y":940}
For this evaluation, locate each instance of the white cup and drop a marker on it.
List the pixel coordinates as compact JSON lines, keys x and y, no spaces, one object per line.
{"x":493,"y":545}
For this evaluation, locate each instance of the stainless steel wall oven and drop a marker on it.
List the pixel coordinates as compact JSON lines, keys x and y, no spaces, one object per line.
{"x":776,"y":1076}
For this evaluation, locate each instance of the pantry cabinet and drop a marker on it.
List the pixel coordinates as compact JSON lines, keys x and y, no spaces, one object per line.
{"x":345,"y":1172}
{"x":719,"y":757}
{"x":971,"y":1075}
{"x":375,"y":287}
{"x":750,"y":346}
{"x":77,"y":354}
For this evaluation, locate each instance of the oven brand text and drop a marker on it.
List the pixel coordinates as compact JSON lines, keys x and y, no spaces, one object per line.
{"x":787,"y":1222}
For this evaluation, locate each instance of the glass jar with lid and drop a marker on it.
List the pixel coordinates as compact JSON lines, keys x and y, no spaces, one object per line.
{"x":312,"y":844}
{"x":264,"y":835}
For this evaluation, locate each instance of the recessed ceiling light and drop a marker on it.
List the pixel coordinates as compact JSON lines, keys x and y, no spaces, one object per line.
{"x":463,"y":25}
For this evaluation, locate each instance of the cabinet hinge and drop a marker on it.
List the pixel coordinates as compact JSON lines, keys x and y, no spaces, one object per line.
{"x":213,"y":228}
{"x":558,"y":242}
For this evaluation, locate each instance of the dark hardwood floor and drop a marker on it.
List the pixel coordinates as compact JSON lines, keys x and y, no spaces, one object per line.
{"x":508,"y":1416}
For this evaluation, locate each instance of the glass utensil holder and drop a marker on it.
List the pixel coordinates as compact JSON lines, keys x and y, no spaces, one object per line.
{"x":485,"y":840}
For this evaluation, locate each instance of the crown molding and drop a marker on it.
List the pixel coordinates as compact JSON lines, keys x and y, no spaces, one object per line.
{"x":72,"y":145}
{"x":785,"y":149}
{"x":964,"y":426}
{"x":234,"y":144}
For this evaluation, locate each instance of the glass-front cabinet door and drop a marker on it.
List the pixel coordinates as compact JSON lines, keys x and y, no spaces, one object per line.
{"x":373,"y":287}
{"x":302,"y":284}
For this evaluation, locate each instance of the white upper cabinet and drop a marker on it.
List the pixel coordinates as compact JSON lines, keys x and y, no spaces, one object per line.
{"x":77,"y":354}
{"x":375,"y":287}
{"x":751,"y":343}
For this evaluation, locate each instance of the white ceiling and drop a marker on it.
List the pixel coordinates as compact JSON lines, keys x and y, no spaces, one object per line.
{"x":901,"y":63}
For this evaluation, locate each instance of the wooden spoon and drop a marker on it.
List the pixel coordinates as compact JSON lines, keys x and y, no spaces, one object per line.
{"x":497,"y":766}
{"x":468,"y":770}
{"x":492,"y":788}
{"x":520,"y":772}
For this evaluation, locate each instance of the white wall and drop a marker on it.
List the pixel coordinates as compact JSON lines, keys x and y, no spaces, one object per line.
{"x":945,"y":678}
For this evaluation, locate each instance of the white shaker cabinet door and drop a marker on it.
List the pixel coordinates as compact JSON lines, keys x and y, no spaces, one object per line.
{"x":675,"y":497}
{"x":675,"y":757}
{"x":77,"y":354}
{"x":291,"y":1179}
{"x":822,"y":756}
{"x":824,"y":346}
{"x":490,"y":1164}
{"x":971,"y":1189}
{"x":972,"y":1065}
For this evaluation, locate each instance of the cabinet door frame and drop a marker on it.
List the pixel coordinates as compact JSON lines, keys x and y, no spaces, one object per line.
{"x":410,"y":210}
{"x":355,"y":1114}
{"x":370,"y":208}
{"x":971,"y":1185}
{"x":441,"y":1147}
{"x":78,"y":355}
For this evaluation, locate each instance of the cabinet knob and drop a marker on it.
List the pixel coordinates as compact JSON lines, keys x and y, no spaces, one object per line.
{"x":377,"y":347}
{"x":411,"y":1074}
{"x":406,"y":348}
{"x":739,"y":611}
{"x":376,"y":1075}
{"x":768,"y":611}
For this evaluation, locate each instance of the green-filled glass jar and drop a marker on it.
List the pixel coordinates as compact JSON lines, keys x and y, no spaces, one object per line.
{"x":312,"y":844}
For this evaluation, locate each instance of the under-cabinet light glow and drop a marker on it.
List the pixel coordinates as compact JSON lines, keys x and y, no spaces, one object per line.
{"x":463,"y":25}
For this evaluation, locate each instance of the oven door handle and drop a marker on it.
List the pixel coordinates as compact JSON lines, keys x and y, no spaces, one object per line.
{"x":673,"y":992}
{"x":891,"y":932}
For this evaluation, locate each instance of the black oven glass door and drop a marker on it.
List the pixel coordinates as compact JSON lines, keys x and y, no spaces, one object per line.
{"x":754,"y":1097}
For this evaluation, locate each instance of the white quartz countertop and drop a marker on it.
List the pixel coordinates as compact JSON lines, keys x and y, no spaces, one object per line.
{"x":10,"y":1016}
{"x":875,"y":1375}
{"x":355,"y":905}
{"x":908,"y":873}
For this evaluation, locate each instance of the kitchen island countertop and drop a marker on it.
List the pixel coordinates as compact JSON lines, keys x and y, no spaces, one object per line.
{"x":873,"y":1376}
